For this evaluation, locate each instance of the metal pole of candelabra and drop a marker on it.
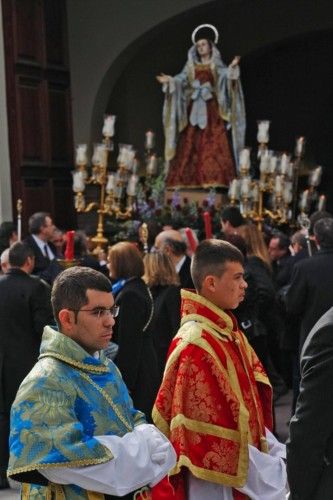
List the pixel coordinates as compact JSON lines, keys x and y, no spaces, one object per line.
{"x":299,"y":152}
{"x":19,"y":219}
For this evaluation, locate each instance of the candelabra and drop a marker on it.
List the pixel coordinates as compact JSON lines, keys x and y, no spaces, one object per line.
{"x":271,"y":194}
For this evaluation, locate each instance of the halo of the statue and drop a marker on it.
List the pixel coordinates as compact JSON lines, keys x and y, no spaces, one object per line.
{"x":195,"y":31}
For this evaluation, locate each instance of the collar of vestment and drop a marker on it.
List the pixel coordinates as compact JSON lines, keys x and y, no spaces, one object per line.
{"x":195,"y":307}
{"x":57,"y":345}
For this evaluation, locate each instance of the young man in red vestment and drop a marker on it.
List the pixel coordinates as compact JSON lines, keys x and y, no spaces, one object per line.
{"x":215,"y":400}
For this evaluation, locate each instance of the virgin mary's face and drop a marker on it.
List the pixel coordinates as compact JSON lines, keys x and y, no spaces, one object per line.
{"x":203,"y":47}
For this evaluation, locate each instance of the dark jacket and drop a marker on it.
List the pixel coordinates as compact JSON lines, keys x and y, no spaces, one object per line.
{"x":166,"y":320}
{"x":25,"y":309}
{"x":311,"y":291}
{"x":185,"y":274}
{"x":45,"y":268}
{"x":310,"y":445}
{"x":136,"y":358}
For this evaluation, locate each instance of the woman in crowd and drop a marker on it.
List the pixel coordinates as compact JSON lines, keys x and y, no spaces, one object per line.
{"x":163,"y":281}
{"x":136,"y":357}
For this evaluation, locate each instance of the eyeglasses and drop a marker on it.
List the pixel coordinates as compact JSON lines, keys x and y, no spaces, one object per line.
{"x":100,"y":312}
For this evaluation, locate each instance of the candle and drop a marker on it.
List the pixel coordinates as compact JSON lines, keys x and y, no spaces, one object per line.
{"x":190,"y":238}
{"x":300,"y":143}
{"x":208,"y":225}
{"x":245,"y":186}
{"x":284,"y":164}
{"x":315,"y":176}
{"x":278,"y":184}
{"x":255,"y":192}
{"x":81,"y":154}
{"x":321,"y":202}
{"x":99,"y":154}
{"x":69,"y":252}
{"x":131,"y":186}
{"x":108,"y":127}
{"x":272,"y":164}
{"x":152,"y":165}
{"x":265,"y":162}
{"x":111,"y":183}
{"x":244,"y":160}
{"x":263,"y":127}
{"x":304,"y":200}
{"x":150,"y":139}
{"x":78,"y":181}
{"x":233,"y":190}
{"x":287,"y":192}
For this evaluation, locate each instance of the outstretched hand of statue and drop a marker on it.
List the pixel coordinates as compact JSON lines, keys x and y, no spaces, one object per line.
{"x":162,"y":78}
{"x":235,"y":61}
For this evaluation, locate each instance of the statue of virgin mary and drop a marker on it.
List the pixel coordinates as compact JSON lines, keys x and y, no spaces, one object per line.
{"x":201,"y":104}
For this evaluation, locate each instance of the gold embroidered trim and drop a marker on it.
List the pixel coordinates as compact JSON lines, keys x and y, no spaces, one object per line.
{"x":204,"y":427}
{"x":186,"y":294}
{"x":207,"y":324}
{"x":93,"y":495}
{"x":160,"y":422}
{"x":144,"y":493}
{"x":77,"y":364}
{"x":109,"y":400}
{"x":211,"y":475}
{"x":74,"y":463}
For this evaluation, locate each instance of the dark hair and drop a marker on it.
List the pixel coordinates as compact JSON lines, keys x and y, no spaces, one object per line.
{"x":204,"y":37}
{"x":316,"y":216}
{"x":7,"y":228}
{"x":18,"y":254}
{"x":37,"y":221}
{"x":178,"y":247}
{"x":210,"y":257}
{"x":70,"y":287}
{"x":238,"y":242}
{"x":283,"y":240}
{"x":233,"y":215}
{"x":125,"y":261}
{"x":323,"y":230}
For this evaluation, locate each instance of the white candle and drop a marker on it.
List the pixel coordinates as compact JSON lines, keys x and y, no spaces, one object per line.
{"x":284,"y":164}
{"x":244,"y":159}
{"x":278,"y":184}
{"x":233,"y":190}
{"x":272,"y":164}
{"x":287,"y":192}
{"x":304,"y":200}
{"x":255,"y":192}
{"x":300,"y":143}
{"x":81,"y":154}
{"x":131,"y":186}
{"x":99,"y":154}
{"x":152,"y":165}
{"x":150,"y":139}
{"x":321,"y":202}
{"x":262,"y":135}
{"x":265,"y":162}
{"x":245,"y":186}
{"x":108,"y":127}
{"x":315,"y":176}
{"x":111,"y":183}
{"x":78,"y":181}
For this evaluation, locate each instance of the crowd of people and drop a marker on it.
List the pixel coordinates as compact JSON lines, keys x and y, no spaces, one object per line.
{"x":155,"y":375}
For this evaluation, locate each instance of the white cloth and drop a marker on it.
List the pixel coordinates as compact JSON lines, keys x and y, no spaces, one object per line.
{"x":141,"y":457}
{"x":267,"y":477}
{"x":180,"y":263}
{"x":42,"y":245}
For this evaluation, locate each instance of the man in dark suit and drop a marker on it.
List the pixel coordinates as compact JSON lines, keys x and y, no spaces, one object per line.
{"x":310,"y":444}
{"x":25,"y":309}
{"x":41,"y":230}
{"x":310,"y":293}
{"x":171,"y":242}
